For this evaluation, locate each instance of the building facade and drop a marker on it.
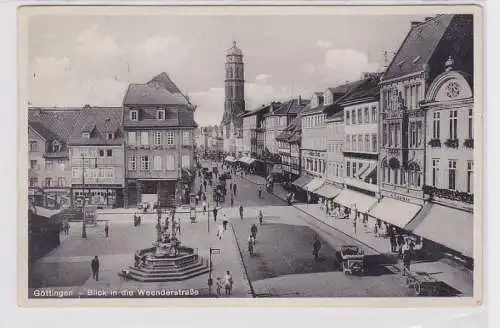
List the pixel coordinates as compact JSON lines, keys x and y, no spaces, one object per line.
{"x":449,"y":166}
{"x":404,"y":149}
{"x":313,"y":145}
{"x":49,"y":169}
{"x":335,"y":149}
{"x":361,"y":136}
{"x":159,"y":142}
{"x":96,"y":157}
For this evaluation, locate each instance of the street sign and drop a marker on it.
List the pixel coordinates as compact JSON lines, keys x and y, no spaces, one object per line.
{"x":215,"y":250}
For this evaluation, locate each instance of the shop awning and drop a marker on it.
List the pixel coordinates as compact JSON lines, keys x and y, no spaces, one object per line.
{"x":328,"y":190}
{"x":46,"y":212}
{"x":353,"y":199}
{"x":394,"y":211}
{"x":277,"y":169}
{"x":302,"y":181}
{"x":229,"y":159}
{"x":314,"y":184}
{"x":450,"y":227}
{"x":250,"y":161}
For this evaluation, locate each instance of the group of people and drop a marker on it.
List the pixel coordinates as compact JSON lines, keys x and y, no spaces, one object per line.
{"x":226,"y":283}
{"x":253,"y":234}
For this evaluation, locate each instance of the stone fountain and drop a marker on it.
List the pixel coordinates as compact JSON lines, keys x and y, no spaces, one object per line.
{"x":167,"y":259}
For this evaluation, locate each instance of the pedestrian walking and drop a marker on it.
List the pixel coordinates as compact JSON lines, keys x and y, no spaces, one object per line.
{"x":234,"y":189}
{"x":406,"y":257}
{"x":106,"y":229}
{"x":316,"y":247}
{"x":231,"y":187}
{"x":232,"y":200}
{"x":259,"y":190}
{"x":261,"y":217}
{"x":228,"y":283}
{"x":95,"y":268}
{"x":215,"y":214}
{"x":178,"y":226}
{"x":253,"y":232}
{"x":218,"y":284}
{"x":224,"y":224}
{"x":205,"y":184}
{"x":197,"y":198}
{"x":241,"y":212}
{"x":251,"y":244}
{"x":392,"y":240}
{"x":220,"y":231}
{"x":204,"y":207}
{"x":400,"y":241}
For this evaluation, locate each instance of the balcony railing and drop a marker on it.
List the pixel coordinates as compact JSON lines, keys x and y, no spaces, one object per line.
{"x":153,"y":174}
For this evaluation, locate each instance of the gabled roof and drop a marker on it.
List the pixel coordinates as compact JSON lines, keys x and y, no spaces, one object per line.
{"x":418,"y":47}
{"x":43,"y":131}
{"x":104,"y":120}
{"x":352,"y":90}
{"x":161,"y":90}
{"x":365,"y":89}
{"x":291,"y":107}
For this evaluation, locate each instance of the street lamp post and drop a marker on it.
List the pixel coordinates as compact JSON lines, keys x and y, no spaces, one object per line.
{"x":210,"y":281}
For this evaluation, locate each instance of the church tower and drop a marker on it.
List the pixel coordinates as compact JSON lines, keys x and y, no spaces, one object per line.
{"x":234,"y":103}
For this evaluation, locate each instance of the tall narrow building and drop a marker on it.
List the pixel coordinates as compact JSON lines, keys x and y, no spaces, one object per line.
{"x":234,"y":104}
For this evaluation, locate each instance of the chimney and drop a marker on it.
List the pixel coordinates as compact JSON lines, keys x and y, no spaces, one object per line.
{"x":415,"y":23}
{"x":300,"y":100}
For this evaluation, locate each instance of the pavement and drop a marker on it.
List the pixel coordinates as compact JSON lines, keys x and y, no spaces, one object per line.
{"x":458,"y":278}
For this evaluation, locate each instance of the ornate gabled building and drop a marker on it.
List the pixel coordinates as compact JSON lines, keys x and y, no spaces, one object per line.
{"x":158,"y":121}
{"x":403,"y":89}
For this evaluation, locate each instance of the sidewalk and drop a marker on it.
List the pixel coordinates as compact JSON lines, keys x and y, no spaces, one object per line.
{"x":459,"y":279}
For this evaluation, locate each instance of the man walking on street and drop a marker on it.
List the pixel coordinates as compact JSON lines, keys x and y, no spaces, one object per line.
{"x":228,"y":283}
{"x":215,"y":214}
{"x":95,"y":268}
{"x":241,"y":212}
{"x":106,"y":229}
{"x":234,"y":189}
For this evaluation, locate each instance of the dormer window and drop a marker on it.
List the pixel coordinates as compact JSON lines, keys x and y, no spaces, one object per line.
{"x":160,"y":114}
{"x":110,"y":135}
{"x":86,"y":135}
{"x":134,"y":115}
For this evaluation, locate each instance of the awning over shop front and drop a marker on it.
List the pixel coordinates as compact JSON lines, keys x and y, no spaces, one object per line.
{"x":353,"y":199}
{"x":450,"y":227}
{"x":243,"y":159}
{"x":229,"y":159}
{"x":394,"y":211}
{"x":277,"y":169}
{"x":314,"y":184}
{"x":302,"y":181}
{"x":328,"y":190}
{"x":250,"y":161}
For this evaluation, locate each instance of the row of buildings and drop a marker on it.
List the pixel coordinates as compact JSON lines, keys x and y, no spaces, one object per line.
{"x":396,"y":146}
{"x":140,"y":152}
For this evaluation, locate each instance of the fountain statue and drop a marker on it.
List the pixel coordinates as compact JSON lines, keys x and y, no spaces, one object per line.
{"x":167,"y":260}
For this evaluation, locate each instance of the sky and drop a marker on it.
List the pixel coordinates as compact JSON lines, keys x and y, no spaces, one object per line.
{"x":78,"y":60}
